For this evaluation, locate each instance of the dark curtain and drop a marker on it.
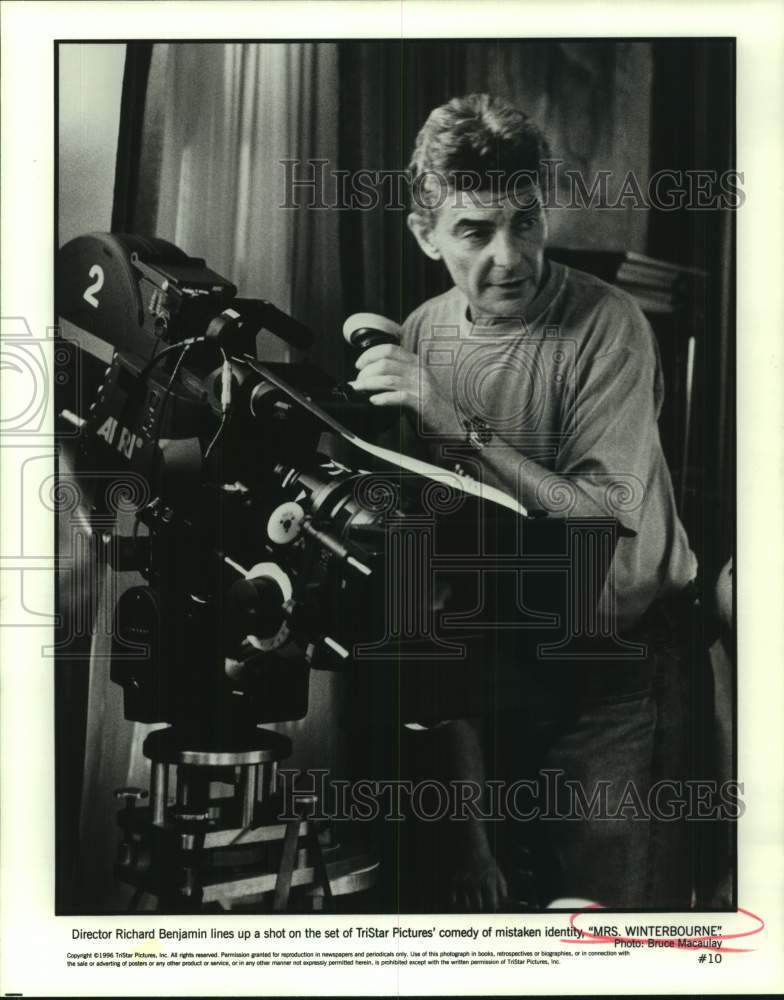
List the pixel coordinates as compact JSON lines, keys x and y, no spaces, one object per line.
{"x":386,"y":91}
{"x":129,"y":140}
{"x":697,"y":77}
{"x":693,"y":128}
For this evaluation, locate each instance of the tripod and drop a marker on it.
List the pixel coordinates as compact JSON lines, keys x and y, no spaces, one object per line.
{"x":206,"y":852}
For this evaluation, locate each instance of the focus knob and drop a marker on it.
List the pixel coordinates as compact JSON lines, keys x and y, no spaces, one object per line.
{"x":364,"y":330}
{"x":254,"y":608}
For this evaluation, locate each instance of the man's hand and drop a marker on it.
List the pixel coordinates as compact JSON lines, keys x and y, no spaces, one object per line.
{"x":396,"y":377}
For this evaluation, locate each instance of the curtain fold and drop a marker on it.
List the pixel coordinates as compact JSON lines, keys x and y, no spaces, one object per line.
{"x":233,"y":114}
{"x":386,"y":91}
{"x":130,"y":136}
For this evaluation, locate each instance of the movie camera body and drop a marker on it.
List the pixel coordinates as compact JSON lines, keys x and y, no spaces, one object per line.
{"x":265,"y":558}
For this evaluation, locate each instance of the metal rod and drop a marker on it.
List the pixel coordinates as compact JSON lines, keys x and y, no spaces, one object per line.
{"x":287,"y":861}
{"x":262,"y":790}
{"x":358,"y":565}
{"x":248,"y":787}
{"x":236,"y":566}
{"x":340,"y":650}
{"x":159,"y":791}
{"x":182,"y":788}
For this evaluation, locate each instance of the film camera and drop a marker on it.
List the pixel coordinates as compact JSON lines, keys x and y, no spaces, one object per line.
{"x":265,"y":558}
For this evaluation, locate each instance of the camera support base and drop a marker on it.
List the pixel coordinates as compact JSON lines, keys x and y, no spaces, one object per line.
{"x":246,"y":850}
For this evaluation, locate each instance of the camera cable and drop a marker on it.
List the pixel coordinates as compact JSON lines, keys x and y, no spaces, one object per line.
{"x":226,"y":377}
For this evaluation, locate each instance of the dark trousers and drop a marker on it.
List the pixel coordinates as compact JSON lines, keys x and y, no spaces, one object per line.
{"x":592,"y":762}
{"x":608,"y":766}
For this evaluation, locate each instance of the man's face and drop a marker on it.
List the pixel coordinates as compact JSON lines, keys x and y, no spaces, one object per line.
{"x":493,"y":248}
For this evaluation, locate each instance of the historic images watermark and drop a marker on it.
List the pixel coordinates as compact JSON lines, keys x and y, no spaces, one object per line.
{"x":549,"y":796}
{"x":313,"y":184}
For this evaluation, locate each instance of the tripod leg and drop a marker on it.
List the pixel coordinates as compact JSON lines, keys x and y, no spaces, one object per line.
{"x":319,"y":868}
{"x":159,"y":789}
{"x":288,"y":857}
{"x":248,"y":788}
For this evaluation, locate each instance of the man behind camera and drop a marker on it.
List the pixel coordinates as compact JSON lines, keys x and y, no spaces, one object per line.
{"x":560,"y":410}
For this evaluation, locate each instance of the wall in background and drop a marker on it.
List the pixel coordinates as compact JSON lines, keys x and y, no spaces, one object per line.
{"x":90,"y":86}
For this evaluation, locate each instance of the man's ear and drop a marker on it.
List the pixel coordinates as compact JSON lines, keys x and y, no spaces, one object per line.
{"x":423,"y":231}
